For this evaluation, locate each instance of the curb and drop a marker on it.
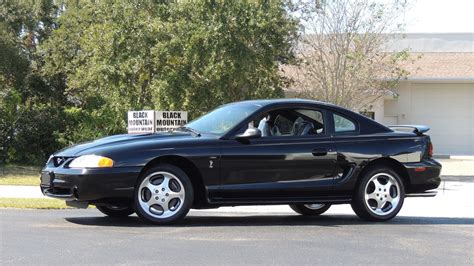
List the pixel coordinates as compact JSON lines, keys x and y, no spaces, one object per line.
{"x":30,"y":192}
{"x":454,"y":157}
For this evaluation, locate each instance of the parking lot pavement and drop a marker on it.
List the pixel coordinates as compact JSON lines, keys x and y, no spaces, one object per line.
{"x":436,"y":230}
{"x":86,"y":237}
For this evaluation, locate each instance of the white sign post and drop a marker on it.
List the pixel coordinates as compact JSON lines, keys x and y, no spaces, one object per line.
{"x":170,"y":120}
{"x":141,"y":122}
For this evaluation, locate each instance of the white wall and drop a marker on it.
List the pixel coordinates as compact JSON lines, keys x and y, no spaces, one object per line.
{"x":448,"y":108}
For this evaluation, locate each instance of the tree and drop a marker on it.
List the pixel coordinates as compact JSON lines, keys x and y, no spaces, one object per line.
{"x":170,"y":55}
{"x":23,"y":91}
{"x":70,"y":69}
{"x":222,"y":51}
{"x":341,"y":54}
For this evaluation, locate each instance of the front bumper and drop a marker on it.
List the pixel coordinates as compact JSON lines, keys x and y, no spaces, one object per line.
{"x":424,"y":175}
{"x":89,"y":185}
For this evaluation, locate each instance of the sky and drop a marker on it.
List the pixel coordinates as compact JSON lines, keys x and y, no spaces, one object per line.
{"x":439,"y":16}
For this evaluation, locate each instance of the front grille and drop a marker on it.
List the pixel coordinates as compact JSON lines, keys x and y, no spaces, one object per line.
{"x":61,"y":191}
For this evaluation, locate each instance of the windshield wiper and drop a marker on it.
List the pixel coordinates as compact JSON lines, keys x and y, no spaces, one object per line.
{"x":188,"y":129}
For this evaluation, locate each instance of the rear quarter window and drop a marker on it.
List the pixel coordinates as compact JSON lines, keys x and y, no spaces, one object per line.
{"x":343,"y":124}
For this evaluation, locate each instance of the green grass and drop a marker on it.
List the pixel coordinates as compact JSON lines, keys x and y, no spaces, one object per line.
{"x":19,"y":175}
{"x":32,"y":203}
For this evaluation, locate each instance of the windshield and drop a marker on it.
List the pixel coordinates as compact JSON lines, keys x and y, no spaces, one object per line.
{"x":223,"y":118}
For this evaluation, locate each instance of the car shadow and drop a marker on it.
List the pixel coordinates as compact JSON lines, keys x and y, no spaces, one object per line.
{"x":267,"y":220}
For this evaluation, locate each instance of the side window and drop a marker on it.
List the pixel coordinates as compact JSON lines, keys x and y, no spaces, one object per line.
{"x":291,"y":122}
{"x":314,"y":117}
{"x":282,"y":125}
{"x":287,"y":122}
{"x":342,"y":124}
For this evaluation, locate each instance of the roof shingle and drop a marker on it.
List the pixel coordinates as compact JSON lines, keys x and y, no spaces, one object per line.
{"x":441,"y":66}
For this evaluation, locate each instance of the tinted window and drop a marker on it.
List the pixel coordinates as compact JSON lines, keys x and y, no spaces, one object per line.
{"x":222,"y":119}
{"x":283,"y":124}
{"x":342,"y":124}
{"x":315,"y":115}
{"x":290,"y":122}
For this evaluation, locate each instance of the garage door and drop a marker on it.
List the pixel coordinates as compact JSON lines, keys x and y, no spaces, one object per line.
{"x":449,"y":110}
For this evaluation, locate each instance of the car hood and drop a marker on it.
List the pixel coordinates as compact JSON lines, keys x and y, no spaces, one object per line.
{"x":124,"y":139}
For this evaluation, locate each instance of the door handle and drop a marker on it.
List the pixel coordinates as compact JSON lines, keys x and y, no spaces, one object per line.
{"x":320,"y":152}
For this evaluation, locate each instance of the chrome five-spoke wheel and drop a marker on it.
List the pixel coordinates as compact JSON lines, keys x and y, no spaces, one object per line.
{"x":163,"y":195}
{"x":380,"y":194}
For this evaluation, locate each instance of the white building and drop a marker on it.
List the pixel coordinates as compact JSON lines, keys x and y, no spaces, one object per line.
{"x":439,"y":91}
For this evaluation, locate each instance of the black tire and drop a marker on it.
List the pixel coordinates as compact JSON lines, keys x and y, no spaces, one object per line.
{"x":364,"y":209}
{"x":303,"y":209}
{"x":116,"y":212}
{"x":182,"y":208}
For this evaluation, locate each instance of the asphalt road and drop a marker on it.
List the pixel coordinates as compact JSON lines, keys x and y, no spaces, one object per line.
{"x":213,"y":237}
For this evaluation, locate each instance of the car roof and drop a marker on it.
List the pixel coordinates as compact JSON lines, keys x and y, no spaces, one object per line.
{"x":265,"y":102}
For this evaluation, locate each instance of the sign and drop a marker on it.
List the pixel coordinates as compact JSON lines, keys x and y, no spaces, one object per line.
{"x":149,"y":121}
{"x":141,"y":122}
{"x":170,"y":120}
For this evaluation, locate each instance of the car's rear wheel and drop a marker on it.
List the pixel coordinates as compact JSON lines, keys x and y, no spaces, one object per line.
{"x":116,"y":211}
{"x":379,"y":195}
{"x":164,"y":194}
{"x":313,"y":209}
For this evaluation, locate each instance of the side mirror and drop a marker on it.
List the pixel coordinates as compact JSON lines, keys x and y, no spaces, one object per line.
{"x":250,"y":133}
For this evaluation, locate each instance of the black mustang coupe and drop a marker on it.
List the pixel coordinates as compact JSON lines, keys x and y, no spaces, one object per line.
{"x":303,"y":153}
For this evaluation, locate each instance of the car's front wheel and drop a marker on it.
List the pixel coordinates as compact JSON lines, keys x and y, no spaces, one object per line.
{"x":116,"y":211}
{"x":164,"y":194}
{"x":313,"y":209}
{"x":379,"y":195}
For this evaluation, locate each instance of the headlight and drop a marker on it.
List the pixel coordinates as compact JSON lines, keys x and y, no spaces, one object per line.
{"x":91,"y":161}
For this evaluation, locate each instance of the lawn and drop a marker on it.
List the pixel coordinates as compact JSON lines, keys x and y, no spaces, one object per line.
{"x":19,"y":175}
{"x":32,"y":203}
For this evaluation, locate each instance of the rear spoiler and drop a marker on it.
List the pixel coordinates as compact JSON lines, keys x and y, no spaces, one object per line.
{"x":417,"y":129}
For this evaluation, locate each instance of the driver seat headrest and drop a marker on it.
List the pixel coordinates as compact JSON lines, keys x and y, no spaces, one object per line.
{"x":302,"y":128}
